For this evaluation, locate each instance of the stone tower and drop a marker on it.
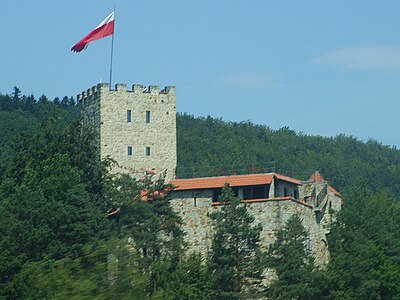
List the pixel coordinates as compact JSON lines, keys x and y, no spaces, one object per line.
{"x":136,"y":128}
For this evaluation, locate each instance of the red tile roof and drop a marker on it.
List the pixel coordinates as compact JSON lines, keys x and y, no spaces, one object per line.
{"x":234,"y":181}
{"x":316,"y":177}
{"x":147,"y":195}
{"x":333,"y":190}
{"x":287,"y":179}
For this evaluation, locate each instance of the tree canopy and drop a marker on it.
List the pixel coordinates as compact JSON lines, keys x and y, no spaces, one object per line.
{"x":70,"y":229}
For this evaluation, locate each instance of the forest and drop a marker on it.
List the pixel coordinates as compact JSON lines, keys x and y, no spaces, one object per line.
{"x":58,"y":239}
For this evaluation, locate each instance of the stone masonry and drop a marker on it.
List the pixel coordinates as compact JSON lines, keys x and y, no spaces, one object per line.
{"x":136,"y":128}
{"x":315,"y":202}
{"x":195,"y":205}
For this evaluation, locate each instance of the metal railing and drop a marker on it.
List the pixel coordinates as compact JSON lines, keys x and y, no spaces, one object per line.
{"x":225,"y":170}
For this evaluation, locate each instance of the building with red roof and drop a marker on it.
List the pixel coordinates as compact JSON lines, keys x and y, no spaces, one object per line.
{"x":272,"y":199}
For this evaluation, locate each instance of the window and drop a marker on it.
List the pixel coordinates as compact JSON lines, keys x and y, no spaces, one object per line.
{"x":147,"y":116}
{"x":284,"y":192}
{"x":147,"y":151}
{"x":247,"y":192}
{"x":216,"y":194}
{"x":308,"y":243}
{"x":235,"y":191}
{"x":259,"y":192}
{"x":129,"y":150}
{"x":129,"y":116}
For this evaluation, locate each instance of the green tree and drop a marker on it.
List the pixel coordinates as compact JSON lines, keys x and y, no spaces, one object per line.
{"x":49,"y":207}
{"x":49,"y":214}
{"x":16,"y":94}
{"x":146,"y":219}
{"x":295,"y":270}
{"x":234,"y":259}
{"x":190,"y":280}
{"x":365,"y":248}
{"x":102,"y":271}
{"x":343,"y":160}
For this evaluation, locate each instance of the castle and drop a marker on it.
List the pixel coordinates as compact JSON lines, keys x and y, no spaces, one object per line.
{"x":137,"y":128}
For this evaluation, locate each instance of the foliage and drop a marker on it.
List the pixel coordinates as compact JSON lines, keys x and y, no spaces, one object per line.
{"x":365,"y":248}
{"x":297,"y":277}
{"x":48,"y":210}
{"x":58,"y":243}
{"x":235,"y":252}
{"x":189,"y":280}
{"x":103,"y":271}
{"x":209,"y":146}
{"x":152,"y":225}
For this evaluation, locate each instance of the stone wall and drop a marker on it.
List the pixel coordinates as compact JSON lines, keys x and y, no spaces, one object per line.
{"x":280,"y":186}
{"x":195,"y":206}
{"x":107,"y":111}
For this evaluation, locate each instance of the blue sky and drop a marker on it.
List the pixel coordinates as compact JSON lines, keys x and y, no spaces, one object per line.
{"x":319,"y":67}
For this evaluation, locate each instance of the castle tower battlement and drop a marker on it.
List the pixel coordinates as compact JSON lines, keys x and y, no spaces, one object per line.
{"x":136,"y":128}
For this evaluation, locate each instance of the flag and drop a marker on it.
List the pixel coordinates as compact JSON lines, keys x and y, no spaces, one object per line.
{"x":105,"y":28}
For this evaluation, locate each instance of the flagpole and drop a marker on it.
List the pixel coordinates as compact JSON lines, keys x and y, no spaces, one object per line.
{"x":112,"y":50}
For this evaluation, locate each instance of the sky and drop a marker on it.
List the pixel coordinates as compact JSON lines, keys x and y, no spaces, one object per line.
{"x":319,"y":67}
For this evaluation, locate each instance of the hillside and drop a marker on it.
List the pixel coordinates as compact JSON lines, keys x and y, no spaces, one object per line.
{"x":66,"y":221}
{"x":209,"y":146}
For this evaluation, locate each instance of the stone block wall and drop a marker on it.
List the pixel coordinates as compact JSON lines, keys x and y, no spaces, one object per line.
{"x":195,"y":206}
{"x":150,"y":133}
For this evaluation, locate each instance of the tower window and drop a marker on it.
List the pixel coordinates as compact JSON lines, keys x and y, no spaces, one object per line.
{"x":129,"y":150}
{"x":129,"y":116}
{"x":308,"y":243}
{"x":147,"y":151}
{"x":147,"y":116}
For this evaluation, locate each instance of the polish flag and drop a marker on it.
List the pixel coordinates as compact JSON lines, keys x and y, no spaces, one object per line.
{"x":105,"y":28}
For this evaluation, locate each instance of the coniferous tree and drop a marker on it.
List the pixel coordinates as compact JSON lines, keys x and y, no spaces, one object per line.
{"x":16,"y":94}
{"x":146,"y":219}
{"x":234,"y":260}
{"x":47,"y":208}
{"x":190,"y":280}
{"x":365,"y":248}
{"x":295,"y":270}
{"x":343,"y":160}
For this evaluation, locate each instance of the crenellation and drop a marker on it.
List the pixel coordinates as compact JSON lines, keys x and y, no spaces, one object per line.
{"x":120,"y":87}
{"x":103,"y":86}
{"x":138,"y":88}
{"x":132,"y":141}
{"x":152,"y":89}
{"x":168,"y":90}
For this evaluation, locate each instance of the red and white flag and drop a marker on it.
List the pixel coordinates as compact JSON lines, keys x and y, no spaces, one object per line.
{"x":105,"y":28}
